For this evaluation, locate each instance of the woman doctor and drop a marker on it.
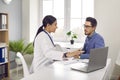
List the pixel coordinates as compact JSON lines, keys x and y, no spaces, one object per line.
{"x":44,"y":48}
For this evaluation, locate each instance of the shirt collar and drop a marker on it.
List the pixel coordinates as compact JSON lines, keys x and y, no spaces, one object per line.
{"x":89,"y":37}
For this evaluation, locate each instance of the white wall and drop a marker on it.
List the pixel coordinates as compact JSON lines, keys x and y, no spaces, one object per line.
{"x":34,"y":18}
{"x":14,"y":11}
{"x":25,"y":19}
{"x":107,"y":13}
{"x":30,"y":18}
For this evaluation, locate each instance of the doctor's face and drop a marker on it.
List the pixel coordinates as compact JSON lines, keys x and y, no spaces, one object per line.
{"x":53,"y":27}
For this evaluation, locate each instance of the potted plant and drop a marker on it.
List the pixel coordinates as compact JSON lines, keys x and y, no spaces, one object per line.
{"x":72,"y":36}
{"x":19,"y":46}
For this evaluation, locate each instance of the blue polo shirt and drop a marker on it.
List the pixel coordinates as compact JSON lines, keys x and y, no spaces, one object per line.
{"x":94,"y":41}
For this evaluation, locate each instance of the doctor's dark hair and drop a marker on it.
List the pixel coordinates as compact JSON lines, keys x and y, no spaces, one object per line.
{"x":92,"y":20}
{"x":49,"y":19}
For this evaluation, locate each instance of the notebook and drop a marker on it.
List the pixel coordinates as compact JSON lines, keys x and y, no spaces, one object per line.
{"x":97,"y":60}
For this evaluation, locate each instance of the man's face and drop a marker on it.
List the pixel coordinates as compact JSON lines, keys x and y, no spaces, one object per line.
{"x":88,"y":28}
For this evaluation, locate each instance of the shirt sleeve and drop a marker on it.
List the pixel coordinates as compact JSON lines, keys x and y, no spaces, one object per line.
{"x":99,"y":43}
{"x":84,"y":56}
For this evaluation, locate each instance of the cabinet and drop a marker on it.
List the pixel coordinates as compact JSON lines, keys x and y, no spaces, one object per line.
{"x":4,"y":42}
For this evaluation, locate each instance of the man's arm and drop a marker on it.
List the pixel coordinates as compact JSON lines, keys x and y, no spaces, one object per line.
{"x":99,"y":42}
{"x":84,"y":56}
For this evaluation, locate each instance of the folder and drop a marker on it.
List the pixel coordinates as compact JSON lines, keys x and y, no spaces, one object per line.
{"x":2,"y":54}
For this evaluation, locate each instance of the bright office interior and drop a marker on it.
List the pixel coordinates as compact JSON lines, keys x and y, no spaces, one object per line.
{"x":25,"y":17}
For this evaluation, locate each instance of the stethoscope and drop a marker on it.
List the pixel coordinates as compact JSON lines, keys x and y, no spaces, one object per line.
{"x":49,"y":37}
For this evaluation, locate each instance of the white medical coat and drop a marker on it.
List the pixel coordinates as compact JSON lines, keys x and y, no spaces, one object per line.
{"x":44,"y":51}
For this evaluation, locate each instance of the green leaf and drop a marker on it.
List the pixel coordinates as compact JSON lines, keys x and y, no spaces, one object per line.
{"x":69,"y":33}
{"x":28,"y":49}
{"x":72,"y":35}
{"x":20,"y":46}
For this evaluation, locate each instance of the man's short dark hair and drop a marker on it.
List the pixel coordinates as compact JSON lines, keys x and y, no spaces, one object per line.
{"x":92,"y":20}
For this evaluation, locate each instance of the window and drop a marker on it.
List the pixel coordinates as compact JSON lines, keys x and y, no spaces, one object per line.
{"x":55,"y":8}
{"x":70,"y":15}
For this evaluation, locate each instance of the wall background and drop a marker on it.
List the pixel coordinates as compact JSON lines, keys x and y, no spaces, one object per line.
{"x":14,"y":11}
{"x":107,"y":12}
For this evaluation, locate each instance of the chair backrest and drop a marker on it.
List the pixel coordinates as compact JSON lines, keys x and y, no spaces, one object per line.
{"x":25,"y":67}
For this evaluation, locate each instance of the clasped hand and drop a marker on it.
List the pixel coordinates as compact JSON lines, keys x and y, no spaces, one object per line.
{"x":75,"y":54}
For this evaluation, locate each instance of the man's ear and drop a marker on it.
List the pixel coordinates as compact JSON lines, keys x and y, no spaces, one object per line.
{"x":94,"y":27}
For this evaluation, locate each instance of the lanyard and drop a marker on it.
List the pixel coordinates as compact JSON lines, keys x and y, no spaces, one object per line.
{"x":49,"y":37}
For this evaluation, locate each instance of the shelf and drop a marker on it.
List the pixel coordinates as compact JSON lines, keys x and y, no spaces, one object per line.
{"x":4,"y":62}
{"x":3,"y":45}
{"x":3,"y":29}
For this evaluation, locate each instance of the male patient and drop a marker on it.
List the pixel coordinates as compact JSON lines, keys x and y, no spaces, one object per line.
{"x":93,"y":39}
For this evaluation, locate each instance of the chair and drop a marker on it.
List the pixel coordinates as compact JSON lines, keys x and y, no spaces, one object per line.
{"x":118,"y":64}
{"x":118,"y":59}
{"x":25,"y":67}
{"x":119,"y":78}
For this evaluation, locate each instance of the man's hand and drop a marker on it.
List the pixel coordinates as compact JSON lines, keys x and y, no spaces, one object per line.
{"x":74,"y":53}
{"x":78,"y":56}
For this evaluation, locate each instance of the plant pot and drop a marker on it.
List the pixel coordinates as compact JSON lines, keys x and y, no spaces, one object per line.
{"x":72,"y":41}
{"x":18,"y":61}
{"x":12,"y":56}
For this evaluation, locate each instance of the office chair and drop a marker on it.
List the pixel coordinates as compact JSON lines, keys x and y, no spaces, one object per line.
{"x":118,"y":59}
{"x":25,"y":67}
{"x":118,"y":62}
{"x":119,"y":78}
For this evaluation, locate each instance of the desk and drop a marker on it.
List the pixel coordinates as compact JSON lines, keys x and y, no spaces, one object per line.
{"x":63,"y":72}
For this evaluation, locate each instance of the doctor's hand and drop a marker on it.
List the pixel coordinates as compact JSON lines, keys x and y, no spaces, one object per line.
{"x":78,"y":56}
{"x":74,"y":53}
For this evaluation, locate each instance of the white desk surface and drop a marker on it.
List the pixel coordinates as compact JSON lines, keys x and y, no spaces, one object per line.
{"x":63,"y":72}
